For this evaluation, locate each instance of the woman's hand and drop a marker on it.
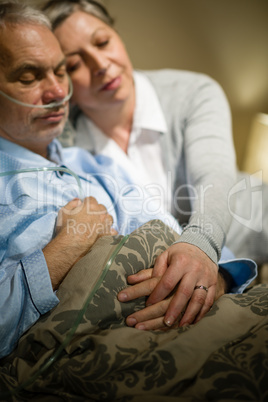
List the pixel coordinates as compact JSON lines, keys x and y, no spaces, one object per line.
{"x":170,"y":286}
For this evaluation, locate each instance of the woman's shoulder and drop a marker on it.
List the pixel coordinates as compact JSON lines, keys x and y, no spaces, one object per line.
{"x":168,"y":75}
{"x":182,"y":84}
{"x":183,"y":80}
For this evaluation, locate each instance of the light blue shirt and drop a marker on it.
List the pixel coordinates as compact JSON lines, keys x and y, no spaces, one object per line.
{"x":29,"y":205}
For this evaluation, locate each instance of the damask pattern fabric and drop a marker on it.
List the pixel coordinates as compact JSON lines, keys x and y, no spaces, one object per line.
{"x":222,"y":358}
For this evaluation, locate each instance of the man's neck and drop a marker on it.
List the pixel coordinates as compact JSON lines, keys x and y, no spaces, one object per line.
{"x":36,"y":147}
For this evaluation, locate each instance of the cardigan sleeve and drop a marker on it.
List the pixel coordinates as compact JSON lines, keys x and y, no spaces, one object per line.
{"x":200,"y":154}
{"x":210,"y":165}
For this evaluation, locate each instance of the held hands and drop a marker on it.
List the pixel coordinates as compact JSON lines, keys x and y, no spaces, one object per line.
{"x":170,"y":285}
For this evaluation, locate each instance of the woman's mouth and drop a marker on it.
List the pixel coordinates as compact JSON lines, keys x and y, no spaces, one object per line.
{"x":112,"y":85}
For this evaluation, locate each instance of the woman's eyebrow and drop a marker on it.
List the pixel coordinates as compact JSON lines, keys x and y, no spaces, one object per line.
{"x":61,"y":63}
{"x":92,"y":36}
{"x":97,"y":31}
{"x":70,"y":54}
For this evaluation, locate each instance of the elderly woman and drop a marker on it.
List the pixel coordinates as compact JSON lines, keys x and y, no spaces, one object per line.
{"x":171,"y":131}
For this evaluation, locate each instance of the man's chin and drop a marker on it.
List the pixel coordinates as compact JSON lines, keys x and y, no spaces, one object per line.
{"x":52,"y":131}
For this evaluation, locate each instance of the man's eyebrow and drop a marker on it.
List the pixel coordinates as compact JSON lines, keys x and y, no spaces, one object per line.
{"x":25,"y":67}
{"x":17,"y":71}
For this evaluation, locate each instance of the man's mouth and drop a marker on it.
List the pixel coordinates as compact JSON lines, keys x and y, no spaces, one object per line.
{"x":52,"y":117}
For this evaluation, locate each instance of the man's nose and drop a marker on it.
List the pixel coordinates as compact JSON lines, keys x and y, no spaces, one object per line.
{"x":55,"y":91}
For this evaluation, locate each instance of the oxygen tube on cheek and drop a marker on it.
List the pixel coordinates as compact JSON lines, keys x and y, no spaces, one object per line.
{"x":47,"y":106}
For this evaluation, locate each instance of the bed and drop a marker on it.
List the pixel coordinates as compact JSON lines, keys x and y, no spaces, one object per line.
{"x":83,"y":351}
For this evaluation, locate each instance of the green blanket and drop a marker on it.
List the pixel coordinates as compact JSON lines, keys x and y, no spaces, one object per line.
{"x":222,"y":358}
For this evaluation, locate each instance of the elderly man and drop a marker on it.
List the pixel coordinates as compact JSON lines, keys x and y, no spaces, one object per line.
{"x":40,"y":241}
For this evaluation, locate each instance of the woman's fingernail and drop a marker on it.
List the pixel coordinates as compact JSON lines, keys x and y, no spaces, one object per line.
{"x":141,"y":327}
{"x":169,"y":321}
{"x":131,"y":321}
{"x":122,"y":297}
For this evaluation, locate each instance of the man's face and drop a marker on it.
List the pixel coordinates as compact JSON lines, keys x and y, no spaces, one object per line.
{"x":32,"y":70}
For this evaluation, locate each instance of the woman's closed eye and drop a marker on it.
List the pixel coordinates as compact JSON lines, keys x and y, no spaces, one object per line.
{"x":73,"y":67}
{"x":103,"y":43}
{"x":61,"y":72}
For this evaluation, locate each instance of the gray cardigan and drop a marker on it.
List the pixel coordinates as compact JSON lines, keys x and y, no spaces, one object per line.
{"x":199,"y":152}
{"x":200,"y":155}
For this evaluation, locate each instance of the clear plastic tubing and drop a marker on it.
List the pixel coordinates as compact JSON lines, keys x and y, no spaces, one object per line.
{"x":48,"y":169}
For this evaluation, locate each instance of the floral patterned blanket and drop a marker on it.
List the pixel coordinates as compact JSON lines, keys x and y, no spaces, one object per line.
{"x":83,"y":351}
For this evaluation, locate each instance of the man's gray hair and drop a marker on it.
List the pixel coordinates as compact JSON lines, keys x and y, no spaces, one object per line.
{"x":13,"y":12}
{"x":59,"y":10}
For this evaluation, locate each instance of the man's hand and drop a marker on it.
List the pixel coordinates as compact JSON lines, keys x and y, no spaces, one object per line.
{"x":171,"y":286}
{"x":78,"y":226}
{"x":83,"y":223}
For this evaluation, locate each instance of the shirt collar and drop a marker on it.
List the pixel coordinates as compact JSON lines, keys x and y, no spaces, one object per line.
{"x":148,"y":115}
{"x":54,"y":152}
{"x":148,"y":112}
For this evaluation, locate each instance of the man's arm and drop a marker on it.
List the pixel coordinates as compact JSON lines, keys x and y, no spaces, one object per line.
{"x":27,"y":286}
{"x":25,"y":294}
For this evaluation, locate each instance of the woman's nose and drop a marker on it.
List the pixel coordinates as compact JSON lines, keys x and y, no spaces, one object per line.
{"x":100,"y":70}
{"x":98,"y":63}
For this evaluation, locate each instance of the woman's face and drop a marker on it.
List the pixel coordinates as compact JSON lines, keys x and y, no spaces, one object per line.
{"x":96,"y":61}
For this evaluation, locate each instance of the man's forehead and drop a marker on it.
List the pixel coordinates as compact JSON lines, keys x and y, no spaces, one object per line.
{"x":24,"y":45}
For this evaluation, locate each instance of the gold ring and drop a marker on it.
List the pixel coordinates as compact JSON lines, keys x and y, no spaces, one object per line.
{"x":201,"y":287}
